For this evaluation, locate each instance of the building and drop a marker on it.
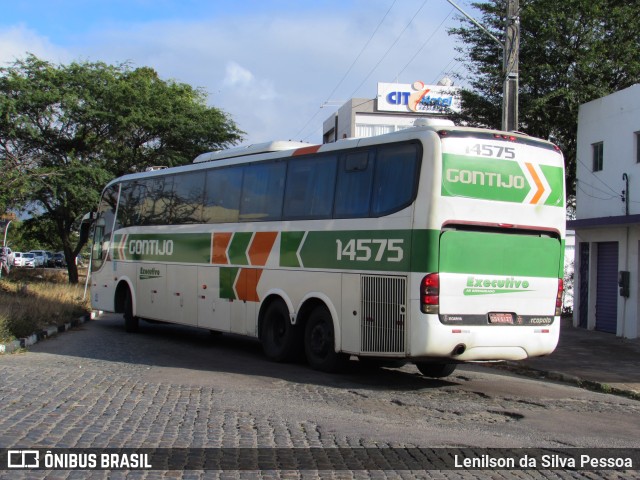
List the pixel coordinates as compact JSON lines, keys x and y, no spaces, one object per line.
{"x":607,"y":225}
{"x":395,"y":107}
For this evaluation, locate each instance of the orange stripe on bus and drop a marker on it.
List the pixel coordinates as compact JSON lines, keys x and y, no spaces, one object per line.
{"x":536,"y":179}
{"x":261,"y":246}
{"x":219,"y":248}
{"x":247,"y":284}
{"x":306,"y":150}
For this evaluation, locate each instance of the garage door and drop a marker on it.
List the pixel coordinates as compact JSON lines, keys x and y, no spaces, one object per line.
{"x":607,"y":287}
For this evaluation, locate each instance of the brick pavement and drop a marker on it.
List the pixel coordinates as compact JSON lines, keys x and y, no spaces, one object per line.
{"x":89,"y":401}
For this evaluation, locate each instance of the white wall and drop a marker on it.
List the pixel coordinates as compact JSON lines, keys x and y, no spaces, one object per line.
{"x":612,"y":120}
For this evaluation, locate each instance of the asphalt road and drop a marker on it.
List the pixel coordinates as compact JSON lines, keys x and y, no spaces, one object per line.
{"x":178,"y":387}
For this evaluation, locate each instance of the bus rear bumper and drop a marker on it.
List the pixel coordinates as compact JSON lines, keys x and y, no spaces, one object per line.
{"x":466,"y":343}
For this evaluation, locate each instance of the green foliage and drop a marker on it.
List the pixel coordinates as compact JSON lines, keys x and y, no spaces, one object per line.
{"x":571,"y":52}
{"x":66,"y":130}
{"x":31,"y":300}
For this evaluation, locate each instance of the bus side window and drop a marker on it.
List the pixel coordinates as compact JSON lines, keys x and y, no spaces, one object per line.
{"x":353,"y":189}
{"x":395,"y":179}
{"x":222,"y":195}
{"x":263,"y":191}
{"x":310,"y":186}
{"x":186,"y":199}
{"x":153,"y":196}
{"x":130,"y":205}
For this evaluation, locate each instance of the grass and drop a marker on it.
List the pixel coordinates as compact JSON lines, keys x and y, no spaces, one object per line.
{"x":32,"y":299}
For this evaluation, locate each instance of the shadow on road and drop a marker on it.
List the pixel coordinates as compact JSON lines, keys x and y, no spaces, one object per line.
{"x":188,"y":348}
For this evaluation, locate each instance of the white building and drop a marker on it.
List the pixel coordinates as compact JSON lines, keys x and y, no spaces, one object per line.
{"x":396,"y":106}
{"x":607,"y":225}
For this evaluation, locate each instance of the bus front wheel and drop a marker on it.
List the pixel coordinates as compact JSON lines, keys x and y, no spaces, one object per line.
{"x":319,"y":342}
{"x":277,"y":334}
{"x":436,"y":370}
{"x":131,"y":322}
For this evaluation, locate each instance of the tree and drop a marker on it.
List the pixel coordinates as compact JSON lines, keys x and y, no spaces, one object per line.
{"x":66,"y":130}
{"x":571,"y":52}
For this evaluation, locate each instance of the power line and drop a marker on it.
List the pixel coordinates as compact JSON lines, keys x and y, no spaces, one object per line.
{"x":348,"y":70}
{"x":593,"y":187}
{"x":445,"y":70}
{"x":361,"y":51}
{"x":611,"y":197}
{"x":389,"y":49}
{"x":425,"y":43}
{"x":596,"y":177}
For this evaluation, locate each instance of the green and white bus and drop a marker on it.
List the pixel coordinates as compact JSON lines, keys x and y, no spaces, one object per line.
{"x":434,"y":245}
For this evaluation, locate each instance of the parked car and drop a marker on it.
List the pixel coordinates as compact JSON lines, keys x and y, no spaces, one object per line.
{"x":41,"y":257}
{"x":29,"y":260}
{"x":58,"y":260}
{"x":17,"y":259}
{"x":49,"y":259}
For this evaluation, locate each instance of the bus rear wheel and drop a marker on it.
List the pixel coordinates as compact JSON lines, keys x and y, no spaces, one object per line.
{"x":319,"y":342}
{"x":131,"y":322}
{"x":278,"y":336}
{"x":436,"y":370}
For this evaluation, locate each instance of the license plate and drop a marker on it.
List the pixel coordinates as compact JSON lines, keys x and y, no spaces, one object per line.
{"x":501,"y":318}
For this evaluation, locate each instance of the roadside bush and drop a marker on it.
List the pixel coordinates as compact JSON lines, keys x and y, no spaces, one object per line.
{"x":33,"y":300}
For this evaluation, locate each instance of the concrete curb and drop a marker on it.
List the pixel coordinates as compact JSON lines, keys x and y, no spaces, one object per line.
{"x":47,"y":332}
{"x":556,"y":376}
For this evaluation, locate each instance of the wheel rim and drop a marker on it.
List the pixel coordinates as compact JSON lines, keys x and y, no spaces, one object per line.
{"x":278,"y":330}
{"x":320,"y":340}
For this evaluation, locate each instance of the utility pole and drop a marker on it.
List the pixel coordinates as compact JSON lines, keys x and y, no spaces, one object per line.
{"x":510,"y":49}
{"x":510,"y":67}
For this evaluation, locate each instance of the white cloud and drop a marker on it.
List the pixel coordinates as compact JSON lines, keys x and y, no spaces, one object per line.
{"x":18,"y":40}
{"x":237,"y":75}
{"x":269,"y":72}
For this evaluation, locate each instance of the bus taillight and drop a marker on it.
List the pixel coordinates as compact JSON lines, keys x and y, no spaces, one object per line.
{"x":429,"y":293}
{"x":559,"y":297}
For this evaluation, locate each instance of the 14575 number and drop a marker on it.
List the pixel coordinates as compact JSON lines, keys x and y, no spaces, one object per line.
{"x":366,"y":249}
{"x":486,"y":150}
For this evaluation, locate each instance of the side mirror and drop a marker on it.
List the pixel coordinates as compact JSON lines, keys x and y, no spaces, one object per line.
{"x":85,"y":228}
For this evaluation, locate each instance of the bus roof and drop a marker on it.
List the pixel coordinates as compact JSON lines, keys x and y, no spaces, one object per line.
{"x":253,"y":149}
{"x":265,"y":151}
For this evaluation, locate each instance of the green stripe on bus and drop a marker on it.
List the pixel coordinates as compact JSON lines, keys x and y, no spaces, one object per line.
{"x":473,"y":177}
{"x":363,"y":250}
{"x":499,"y":254}
{"x":382,"y":250}
{"x":424,"y":250}
{"x":238,"y":248}
{"x":289,"y":244}
{"x":556,"y":181}
{"x":186,"y":248}
{"x":503,"y":180}
{"x":227,"y":279}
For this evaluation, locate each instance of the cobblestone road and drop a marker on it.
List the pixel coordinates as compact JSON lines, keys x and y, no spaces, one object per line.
{"x":175,"y":387}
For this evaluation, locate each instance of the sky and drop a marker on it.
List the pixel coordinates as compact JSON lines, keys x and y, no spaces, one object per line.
{"x":278,"y":68}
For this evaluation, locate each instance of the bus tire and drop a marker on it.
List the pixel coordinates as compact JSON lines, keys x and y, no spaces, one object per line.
{"x":319,"y":342}
{"x":277,"y":335}
{"x":131,"y":322}
{"x":436,"y":370}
